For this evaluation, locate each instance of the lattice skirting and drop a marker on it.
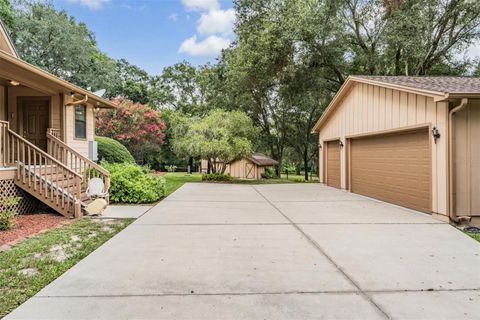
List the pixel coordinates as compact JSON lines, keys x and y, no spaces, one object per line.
{"x":28,"y":204}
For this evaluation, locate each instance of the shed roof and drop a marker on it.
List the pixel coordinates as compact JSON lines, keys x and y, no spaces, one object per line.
{"x":262,"y":160}
{"x":439,"y":88}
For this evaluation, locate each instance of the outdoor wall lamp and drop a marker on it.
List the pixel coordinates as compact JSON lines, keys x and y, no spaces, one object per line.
{"x":435,"y":134}
{"x":340,"y":143}
{"x":319,"y":146}
{"x":14,"y":83}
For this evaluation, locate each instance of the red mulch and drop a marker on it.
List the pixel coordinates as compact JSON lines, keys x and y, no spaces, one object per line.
{"x":30,"y":224}
{"x":158,"y":173}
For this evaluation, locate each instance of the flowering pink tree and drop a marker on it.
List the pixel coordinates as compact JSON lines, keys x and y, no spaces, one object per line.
{"x":135,"y":125}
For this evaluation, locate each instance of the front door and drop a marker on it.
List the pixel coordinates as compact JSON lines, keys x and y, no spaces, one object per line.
{"x":35,"y":122}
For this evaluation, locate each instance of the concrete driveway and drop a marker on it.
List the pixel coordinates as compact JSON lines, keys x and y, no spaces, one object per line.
{"x":294,"y":251}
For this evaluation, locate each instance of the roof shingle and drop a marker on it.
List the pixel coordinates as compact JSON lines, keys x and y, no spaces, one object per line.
{"x":443,"y":84}
{"x":262,"y":160}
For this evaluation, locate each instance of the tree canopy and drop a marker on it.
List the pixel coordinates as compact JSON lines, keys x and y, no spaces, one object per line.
{"x":288,"y":59}
{"x":220,"y":137}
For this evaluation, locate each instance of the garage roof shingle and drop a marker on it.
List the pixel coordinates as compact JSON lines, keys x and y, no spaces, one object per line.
{"x":443,"y":84}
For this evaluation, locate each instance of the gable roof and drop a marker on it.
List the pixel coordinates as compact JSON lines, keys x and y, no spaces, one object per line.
{"x":439,"y":88}
{"x":441,"y":84}
{"x":262,"y":160}
{"x":6,"y":43}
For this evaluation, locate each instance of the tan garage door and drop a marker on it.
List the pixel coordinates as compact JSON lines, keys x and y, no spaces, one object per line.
{"x":394,"y":168}
{"x":333,"y":164}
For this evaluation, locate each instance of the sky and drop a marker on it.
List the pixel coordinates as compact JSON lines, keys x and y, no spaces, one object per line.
{"x":153,"y":34}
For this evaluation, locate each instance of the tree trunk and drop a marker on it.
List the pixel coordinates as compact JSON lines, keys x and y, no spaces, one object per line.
{"x":305,"y":162}
{"x":209,"y":166}
{"x":298,"y":169}
{"x":190,"y":163}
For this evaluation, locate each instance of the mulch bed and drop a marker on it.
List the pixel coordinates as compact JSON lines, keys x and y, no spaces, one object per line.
{"x":30,"y":224}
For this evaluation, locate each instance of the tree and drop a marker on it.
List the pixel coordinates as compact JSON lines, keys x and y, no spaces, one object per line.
{"x":135,"y":125}
{"x":6,"y":13}
{"x":220,"y":137}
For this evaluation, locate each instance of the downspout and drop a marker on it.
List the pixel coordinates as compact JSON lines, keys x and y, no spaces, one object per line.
{"x":453,"y":216}
{"x":84,"y":100}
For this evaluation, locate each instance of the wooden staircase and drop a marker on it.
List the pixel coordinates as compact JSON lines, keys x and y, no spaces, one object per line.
{"x":58,"y":178}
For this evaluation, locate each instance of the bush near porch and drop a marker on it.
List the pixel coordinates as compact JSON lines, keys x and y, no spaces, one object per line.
{"x":131,"y":183}
{"x":112,"y":151}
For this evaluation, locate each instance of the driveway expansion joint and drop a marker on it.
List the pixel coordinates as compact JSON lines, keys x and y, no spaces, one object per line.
{"x":320,"y":249}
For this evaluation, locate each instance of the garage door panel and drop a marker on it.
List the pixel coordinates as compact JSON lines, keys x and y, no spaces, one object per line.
{"x":333,"y":164}
{"x":394,"y":168}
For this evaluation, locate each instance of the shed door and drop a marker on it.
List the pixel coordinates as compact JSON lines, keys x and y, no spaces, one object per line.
{"x":333,"y":163}
{"x":249,"y":170}
{"x":395,"y":168}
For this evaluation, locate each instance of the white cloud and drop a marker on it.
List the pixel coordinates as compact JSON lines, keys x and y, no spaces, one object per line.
{"x":473,"y":51}
{"x":211,"y":46}
{"x":173,"y":17}
{"x":216,"y":21}
{"x":91,"y":4}
{"x":201,"y":4}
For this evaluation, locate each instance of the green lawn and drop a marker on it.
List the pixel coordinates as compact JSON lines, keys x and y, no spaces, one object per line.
{"x":32,"y":264}
{"x":475,"y":236}
{"x":175,"y":180}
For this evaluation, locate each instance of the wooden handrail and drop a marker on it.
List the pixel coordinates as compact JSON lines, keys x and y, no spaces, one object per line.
{"x":54,"y":132}
{"x":41,"y":174}
{"x":76,"y":161}
{"x":45,"y":154}
{"x":97,"y":167}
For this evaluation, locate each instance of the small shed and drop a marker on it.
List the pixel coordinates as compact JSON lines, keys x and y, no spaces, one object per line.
{"x":250,"y":167}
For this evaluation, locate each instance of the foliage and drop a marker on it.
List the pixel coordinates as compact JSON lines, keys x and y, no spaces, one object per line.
{"x":216,"y":177}
{"x":110,"y":150}
{"x":78,"y":239}
{"x":135,"y":125}
{"x":6,"y":13}
{"x":268,"y":173}
{"x":6,"y":213}
{"x":220,"y":137}
{"x":171,"y":168}
{"x":131,"y":183}
{"x":174,"y":180}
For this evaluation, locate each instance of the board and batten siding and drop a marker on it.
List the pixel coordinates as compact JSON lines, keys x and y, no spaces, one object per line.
{"x":80,"y":145}
{"x":368,"y":109}
{"x":466,"y":160}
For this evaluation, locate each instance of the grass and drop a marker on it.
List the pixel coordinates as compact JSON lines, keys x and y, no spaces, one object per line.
{"x":175,"y":180}
{"x":474,"y":235}
{"x":32,"y":264}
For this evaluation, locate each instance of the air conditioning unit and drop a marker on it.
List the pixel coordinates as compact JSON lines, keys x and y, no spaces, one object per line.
{"x":93,"y":150}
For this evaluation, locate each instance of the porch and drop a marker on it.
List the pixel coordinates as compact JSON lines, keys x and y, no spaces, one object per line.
{"x":46,"y":125}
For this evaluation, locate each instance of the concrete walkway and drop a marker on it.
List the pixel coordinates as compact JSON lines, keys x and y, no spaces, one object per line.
{"x":116,"y":211}
{"x":295,"y":251}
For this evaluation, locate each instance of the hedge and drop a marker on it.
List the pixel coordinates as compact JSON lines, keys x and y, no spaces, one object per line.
{"x":112,"y":151}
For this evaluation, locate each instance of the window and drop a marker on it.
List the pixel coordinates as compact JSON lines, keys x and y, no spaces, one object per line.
{"x":81,"y":122}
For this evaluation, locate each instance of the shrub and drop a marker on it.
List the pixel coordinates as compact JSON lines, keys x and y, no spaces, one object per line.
{"x":7,"y":214}
{"x":171,"y":168}
{"x":131,"y":183}
{"x":269,"y":173}
{"x":112,"y":151}
{"x":216,"y":177}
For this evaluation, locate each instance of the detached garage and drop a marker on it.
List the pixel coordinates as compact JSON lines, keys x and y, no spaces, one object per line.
{"x":411,"y":141}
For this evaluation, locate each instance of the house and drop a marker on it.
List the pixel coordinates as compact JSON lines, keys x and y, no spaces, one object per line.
{"x":46,"y":125}
{"x":251,"y":167}
{"x":411,"y":141}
